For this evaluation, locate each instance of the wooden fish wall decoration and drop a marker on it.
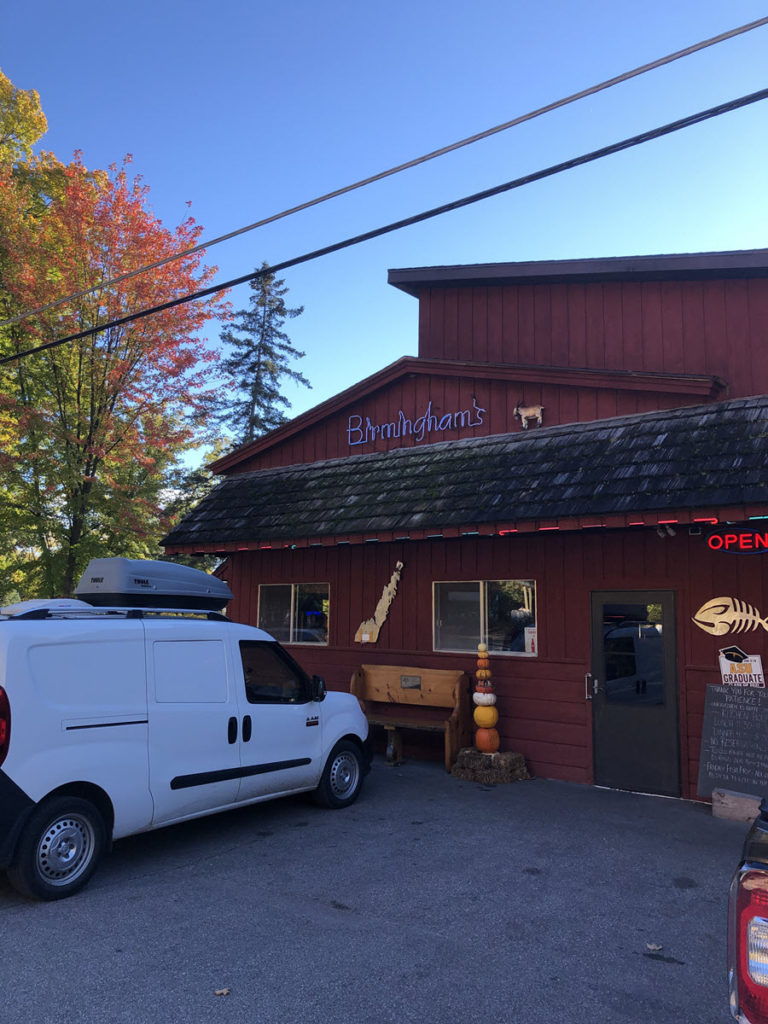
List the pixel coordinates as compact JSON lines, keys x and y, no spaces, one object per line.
{"x":724,"y":615}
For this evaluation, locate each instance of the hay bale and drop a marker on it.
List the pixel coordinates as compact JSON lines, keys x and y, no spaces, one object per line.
{"x":489,"y":769}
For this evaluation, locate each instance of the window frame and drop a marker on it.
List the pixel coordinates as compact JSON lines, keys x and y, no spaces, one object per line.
{"x":291,"y":614}
{"x":483,"y":617}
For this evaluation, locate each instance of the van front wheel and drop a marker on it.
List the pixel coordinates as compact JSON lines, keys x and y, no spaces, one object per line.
{"x":59,"y":849}
{"x":342,"y":776}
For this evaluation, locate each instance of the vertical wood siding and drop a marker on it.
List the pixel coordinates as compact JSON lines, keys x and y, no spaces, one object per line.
{"x":716,"y":327}
{"x":543,"y":713}
{"x":329,"y":439}
{"x":698,"y":327}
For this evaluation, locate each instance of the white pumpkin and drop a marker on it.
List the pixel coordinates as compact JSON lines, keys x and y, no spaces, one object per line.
{"x":484,"y":699}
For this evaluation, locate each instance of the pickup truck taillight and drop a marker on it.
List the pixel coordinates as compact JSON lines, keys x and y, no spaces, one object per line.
{"x":748,"y":945}
{"x":5,"y":724}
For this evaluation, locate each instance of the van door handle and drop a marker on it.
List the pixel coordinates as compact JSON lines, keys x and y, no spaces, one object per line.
{"x":246,"y":728}
{"x":232,"y":730}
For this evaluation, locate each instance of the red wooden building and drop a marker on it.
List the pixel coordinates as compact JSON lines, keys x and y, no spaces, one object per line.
{"x":546,"y":475}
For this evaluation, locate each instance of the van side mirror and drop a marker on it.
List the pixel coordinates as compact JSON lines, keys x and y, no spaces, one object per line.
{"x":317,"y":688}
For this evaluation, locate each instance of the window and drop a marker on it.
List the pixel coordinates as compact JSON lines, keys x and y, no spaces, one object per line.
{"x":295,"y":613}
{"x":501,"y":613}
{"x":271,"y":677}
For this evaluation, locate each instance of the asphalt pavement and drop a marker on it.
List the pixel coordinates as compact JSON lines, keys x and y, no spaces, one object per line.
{"x":430,"y":900}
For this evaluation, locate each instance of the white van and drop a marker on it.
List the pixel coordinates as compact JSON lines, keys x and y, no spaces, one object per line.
{"x":138,"y":705}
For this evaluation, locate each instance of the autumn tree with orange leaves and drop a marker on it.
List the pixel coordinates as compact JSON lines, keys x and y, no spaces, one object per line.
{"x":90,"y":430}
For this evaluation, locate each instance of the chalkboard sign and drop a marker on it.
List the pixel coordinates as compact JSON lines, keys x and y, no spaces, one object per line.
{"x":734,"y":742}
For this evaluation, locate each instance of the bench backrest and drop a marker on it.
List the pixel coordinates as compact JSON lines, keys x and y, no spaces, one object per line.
{"x":397,"y":684}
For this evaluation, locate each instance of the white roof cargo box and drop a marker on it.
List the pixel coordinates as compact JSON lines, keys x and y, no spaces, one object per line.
{"x":136,"y":583}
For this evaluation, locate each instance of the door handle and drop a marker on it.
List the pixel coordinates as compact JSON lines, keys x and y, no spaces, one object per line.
{"x":232,"y":730}
{"x":591,"y":686}
{"x":246,"y":728}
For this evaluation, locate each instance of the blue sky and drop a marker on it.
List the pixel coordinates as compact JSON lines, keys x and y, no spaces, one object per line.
{"x":246,"y":108}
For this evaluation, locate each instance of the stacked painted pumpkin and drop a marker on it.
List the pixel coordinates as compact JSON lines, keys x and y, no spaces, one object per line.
{"x":486,"y":715}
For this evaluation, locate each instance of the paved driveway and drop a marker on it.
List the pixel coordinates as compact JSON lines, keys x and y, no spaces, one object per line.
{"x":431,"y":900}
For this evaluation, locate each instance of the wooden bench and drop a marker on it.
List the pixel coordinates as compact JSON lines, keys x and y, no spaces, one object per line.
{"x":397,"y":697}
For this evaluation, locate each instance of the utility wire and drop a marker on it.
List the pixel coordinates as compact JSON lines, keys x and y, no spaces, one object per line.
{"x":578,"y":161}
{"x":582,"y":94}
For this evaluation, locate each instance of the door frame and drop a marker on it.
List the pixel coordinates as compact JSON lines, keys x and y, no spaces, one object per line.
{"x":633,"y":728}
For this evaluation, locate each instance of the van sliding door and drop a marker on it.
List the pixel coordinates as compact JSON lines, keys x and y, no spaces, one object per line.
{"x":194,"y":750}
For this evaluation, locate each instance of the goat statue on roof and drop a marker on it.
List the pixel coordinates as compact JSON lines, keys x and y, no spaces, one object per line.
{"x":524,"y":413}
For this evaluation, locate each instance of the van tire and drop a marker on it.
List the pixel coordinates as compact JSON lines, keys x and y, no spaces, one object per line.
{"x":59,"y":849}
{"x":342,"y":776}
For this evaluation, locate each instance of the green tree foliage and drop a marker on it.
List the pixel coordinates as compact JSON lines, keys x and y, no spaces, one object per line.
{"x":259,"y":362}
{"x":90,"y":431}
{"x":22,"y":122}
{"x":186,"y":487}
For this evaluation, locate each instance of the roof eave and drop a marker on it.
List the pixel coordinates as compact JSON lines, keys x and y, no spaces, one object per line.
{"x":668,"y":520}
{"x":742,"y":263}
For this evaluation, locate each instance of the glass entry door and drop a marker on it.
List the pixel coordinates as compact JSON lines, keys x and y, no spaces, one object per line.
{"x":633,"y":687}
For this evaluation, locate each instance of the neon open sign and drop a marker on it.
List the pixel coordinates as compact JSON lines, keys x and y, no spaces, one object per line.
{"x":745,"y":540}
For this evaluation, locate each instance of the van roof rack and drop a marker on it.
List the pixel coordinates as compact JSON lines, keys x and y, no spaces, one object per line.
{"x":50,"y":610}
{"x":139,"y":583}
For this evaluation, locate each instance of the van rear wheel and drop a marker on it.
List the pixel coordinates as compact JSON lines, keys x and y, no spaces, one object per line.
{"x":59,"y":849}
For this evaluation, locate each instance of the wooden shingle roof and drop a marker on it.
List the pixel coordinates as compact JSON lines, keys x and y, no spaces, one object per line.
{"x":695,"y":458}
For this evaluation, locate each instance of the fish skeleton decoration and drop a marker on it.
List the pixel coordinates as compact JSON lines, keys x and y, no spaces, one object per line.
{"x":724,"y":615}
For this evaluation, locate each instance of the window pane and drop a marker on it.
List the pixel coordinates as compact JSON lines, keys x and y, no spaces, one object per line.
{"x":511,"y":616}
{"x":275,"y":610}
{"x":457,"y":616}
{"x":634,"y":654}
{"x":268,"y":678}
{"x":310,"y":624}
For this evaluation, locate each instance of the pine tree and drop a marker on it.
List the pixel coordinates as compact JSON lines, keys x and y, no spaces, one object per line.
{"x":259,"y":361}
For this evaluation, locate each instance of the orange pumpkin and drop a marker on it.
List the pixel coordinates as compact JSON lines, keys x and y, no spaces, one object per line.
{"x":483,"y":663}
{"x":487,"y":741}
{"x":483,"y":673}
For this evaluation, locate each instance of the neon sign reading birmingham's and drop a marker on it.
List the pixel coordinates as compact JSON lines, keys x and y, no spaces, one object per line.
{"x":360,"y":431}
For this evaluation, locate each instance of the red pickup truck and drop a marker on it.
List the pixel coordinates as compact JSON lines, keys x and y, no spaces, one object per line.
{"x":748,"y":927}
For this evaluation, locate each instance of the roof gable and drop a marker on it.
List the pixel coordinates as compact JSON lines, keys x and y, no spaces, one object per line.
{"x":395,"y":377}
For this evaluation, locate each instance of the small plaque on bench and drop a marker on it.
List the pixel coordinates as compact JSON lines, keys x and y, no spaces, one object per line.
{"x":410,"y":682}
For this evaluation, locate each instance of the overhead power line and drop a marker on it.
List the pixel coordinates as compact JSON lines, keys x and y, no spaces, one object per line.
{"x":443,"y":151}
{"x":456,"y":204}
